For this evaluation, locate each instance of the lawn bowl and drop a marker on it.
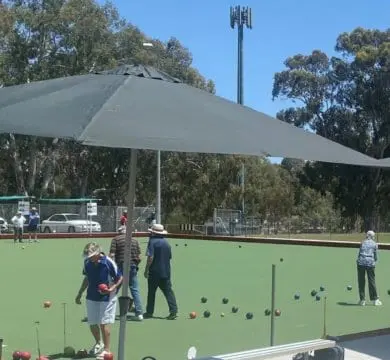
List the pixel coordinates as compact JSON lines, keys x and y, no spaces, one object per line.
{"x":16,"y":355}
{"x":108,"y":356}
{"x":47,"y":304}
{"x":25,"y":355}
{"x":69,"y":352}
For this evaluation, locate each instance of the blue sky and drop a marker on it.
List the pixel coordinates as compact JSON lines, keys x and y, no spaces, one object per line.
{"x":281,"y":28}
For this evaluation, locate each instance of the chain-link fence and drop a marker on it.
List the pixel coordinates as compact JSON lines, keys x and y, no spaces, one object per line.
{"x":108,"y":217}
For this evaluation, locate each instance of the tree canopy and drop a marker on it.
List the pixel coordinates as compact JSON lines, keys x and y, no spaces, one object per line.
{"x":345,"y":98}
{"x":339,"y":98}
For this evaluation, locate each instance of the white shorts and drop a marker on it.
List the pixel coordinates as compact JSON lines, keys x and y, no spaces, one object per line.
{"x":101,"y":312}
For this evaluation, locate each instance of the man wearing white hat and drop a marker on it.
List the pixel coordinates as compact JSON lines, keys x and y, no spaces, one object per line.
{"x":18,"y":222}
{"x":158,"y":271}
{"x":99,"y":270}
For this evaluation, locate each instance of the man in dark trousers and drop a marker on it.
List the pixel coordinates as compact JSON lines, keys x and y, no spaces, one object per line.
{"x":117,"y":252}
{"x":366,"y":262}
{"x":158,"y":271}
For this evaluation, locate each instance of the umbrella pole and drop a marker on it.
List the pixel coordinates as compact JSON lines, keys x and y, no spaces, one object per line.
{"x":124,"y":300}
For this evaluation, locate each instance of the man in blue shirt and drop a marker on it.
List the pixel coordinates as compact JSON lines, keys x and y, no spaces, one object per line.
{"x":366,"y":263}
{"x":33,"y":222}
{"x":101,"y":304}
{"x":158,"y":271}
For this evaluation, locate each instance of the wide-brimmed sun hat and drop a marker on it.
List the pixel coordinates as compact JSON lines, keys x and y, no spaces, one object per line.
{"x":370,"y":234}
{"x":157,"y":229}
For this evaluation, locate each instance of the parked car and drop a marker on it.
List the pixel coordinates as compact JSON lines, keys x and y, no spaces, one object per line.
{"x":3,"y":225}
{"x":69,"y":223}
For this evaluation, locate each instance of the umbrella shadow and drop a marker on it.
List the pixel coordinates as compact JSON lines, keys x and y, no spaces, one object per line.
{"x":344,"y":303}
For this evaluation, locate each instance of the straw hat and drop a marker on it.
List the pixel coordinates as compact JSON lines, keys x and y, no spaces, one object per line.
{"x":157,"y":229}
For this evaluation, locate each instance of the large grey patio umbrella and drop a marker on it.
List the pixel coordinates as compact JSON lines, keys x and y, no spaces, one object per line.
{"x":138,"y":107}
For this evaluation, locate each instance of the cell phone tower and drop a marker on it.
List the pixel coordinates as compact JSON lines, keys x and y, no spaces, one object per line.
{"x":241,"y":16}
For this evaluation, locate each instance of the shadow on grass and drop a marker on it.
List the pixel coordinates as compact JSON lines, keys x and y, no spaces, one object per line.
{"x":62,"y":356}
{"x":133,"y":318}
{"x":56,"y":356}
{"x":343,"y":303}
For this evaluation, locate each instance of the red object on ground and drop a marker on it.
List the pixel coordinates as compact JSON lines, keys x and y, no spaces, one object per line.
{"x":193,"y":315}
{"x":25,"y":355}
{"x":16,"y":355}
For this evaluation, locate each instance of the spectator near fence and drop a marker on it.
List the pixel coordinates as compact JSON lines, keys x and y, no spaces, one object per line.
{"x":123,"y":219}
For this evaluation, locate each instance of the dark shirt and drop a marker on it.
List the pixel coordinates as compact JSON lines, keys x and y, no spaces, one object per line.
{"x":160,"y":250}
{"x":105,"y":271}
{"x":117,"y":248}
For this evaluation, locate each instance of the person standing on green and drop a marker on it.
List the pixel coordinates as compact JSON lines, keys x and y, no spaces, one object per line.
{"x":366,"y":262}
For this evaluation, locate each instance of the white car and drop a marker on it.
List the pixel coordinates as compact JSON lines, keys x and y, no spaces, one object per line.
{"x":3,"y":225}
{"x":71,"y":223}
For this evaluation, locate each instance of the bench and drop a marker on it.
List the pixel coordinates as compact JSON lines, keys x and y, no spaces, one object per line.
{"x":276,"y":351}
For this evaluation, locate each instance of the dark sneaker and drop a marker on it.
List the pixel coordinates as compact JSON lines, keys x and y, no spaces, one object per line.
{"x":172,"y":316}
{"x":131,"y":305}
{"x":148,"y":316}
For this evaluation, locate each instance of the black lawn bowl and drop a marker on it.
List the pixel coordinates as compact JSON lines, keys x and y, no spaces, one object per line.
{"x":234,"y":309}
{"x":249,"y":315}
{"x":313,"y":293}
{"x":225,"y":300}
{"x":267,"y":312}
{"x":203,"y":300}
{"x":206,"y":314}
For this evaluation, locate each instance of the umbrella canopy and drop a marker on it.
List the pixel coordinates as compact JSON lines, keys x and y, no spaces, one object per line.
{"x":140,"y":107}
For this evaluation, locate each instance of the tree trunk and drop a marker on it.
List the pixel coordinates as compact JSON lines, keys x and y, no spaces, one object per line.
{"x":20,"y":184}
{"x":32,"y":166}
{"x":49,"y":167}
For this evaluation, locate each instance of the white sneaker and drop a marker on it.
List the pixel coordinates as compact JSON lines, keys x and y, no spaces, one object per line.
{"x":140,"y":317}
{"x":377,"y":302}
{"x":97,"y":349}
{"x":362,"y":303}
{"x":101,"y":355}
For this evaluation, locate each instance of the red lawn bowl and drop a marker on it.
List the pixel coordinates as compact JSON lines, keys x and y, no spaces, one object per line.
{"x":103,"y":287}
{"x":25,"y":355}
{"x":16,"y":355}
{"x":108,"y":356}
{"x":192,"y":315}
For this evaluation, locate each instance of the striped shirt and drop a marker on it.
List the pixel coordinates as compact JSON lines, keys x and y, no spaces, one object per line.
{"x":117,"y":249}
